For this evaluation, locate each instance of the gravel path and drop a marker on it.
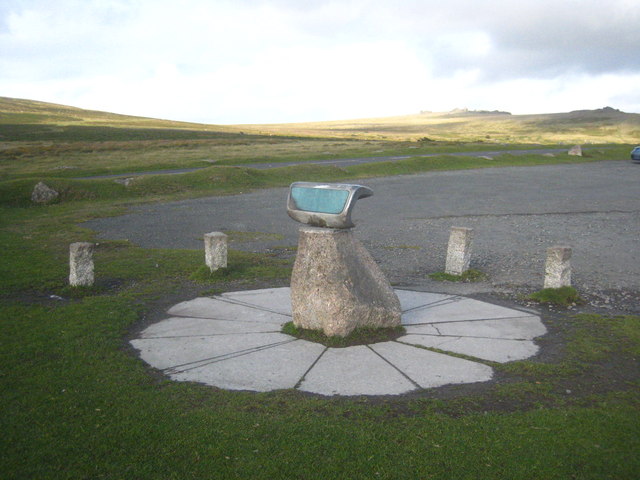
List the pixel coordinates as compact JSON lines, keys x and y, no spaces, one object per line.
{"x":516,"y":212}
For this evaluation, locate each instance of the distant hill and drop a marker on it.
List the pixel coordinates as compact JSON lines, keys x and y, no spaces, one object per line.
{"x":20,"y":111}
{"x":604,"y":125}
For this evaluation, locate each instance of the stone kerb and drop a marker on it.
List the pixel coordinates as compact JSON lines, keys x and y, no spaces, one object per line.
{"x":336,"y":286}
{"x":81,"y":264}
{"x":215,"y":250}
{"x":459,"y":250}
{"x":558,"y":267}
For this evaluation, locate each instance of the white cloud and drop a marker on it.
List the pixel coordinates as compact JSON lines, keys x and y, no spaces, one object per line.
{"x":285,"y":60}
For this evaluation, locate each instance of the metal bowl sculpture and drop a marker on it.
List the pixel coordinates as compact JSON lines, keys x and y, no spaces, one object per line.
{"x":326,"y":205}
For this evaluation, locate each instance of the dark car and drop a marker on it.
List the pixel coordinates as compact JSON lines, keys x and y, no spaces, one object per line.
{"x":635,"y":155}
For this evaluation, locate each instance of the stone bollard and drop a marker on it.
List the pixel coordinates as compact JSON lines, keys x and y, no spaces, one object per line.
{"x":575,"y":151}
{"x":215,"y":250}
{"x":558,"y":267}
{"x":459,"y":250}
{"x":81,"y":264}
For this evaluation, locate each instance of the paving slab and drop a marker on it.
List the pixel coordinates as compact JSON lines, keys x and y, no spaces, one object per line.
{"x":354,"y":371}
{"x":514,"y":328}
{"x":410,"y":299}
{"x":233,"y":341}
{"x":197,"y":327}
{"x":219,"y":308}
{"x":430,"y":369}
{"x":458,"y":309}
{"x":185,"y":352}
{"x":493,"y":349}
{"x":278,"y":367}
{"x":271,"y":299}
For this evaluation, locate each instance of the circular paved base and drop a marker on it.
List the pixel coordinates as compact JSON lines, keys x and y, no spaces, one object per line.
{"x":233,"y":341}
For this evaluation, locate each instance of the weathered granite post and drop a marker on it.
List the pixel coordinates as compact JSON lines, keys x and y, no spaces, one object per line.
{"x":215,"y":250}
{"x":336,"y":286}
{"x":459,"y":250}
{"x":81,"y":264}
{"x":576,"y":150}
{"x":558,"y":267}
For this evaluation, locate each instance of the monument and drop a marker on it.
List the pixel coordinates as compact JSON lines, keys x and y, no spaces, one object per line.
{"x":336,"y":286}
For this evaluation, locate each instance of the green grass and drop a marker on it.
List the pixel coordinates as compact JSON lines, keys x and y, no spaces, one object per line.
{"x":216,"y":180}
{"x":592,"y":339}
{"x":245,"y":266}
{"x":359,"y":336}
{"x":77,"y":402}
{"x":563,"y":296}
{"x":471,"y":275}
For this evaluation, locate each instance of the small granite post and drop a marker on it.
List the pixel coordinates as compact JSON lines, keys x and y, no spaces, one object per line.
{"x":336,"y":286}
{"x":81,"y":264}
{"x":558,"y":267}
{"x":459,"y":250}
{"x":215,"y":250}
{"x":576,"y":151}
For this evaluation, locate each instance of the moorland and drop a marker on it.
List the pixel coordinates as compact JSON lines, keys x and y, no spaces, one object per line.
{"x":78,"y":403}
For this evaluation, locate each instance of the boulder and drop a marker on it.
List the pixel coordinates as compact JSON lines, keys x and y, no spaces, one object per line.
{"x":124,"y":181}
{"x":336,"y":286}
{"x":43,"y":194}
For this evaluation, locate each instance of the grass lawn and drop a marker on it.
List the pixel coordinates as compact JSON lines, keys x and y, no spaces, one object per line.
{"x":77,"y":402}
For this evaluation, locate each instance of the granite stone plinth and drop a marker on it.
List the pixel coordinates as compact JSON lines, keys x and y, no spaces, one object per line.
{"x":336,"y":286}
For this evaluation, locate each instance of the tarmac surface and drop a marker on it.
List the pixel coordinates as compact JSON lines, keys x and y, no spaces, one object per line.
{"x":516,"y":213}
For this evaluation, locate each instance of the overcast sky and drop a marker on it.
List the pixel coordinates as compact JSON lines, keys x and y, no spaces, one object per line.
{"x":268,"y":61}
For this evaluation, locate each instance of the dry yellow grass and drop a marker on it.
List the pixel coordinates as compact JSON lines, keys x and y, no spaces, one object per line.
{"x":22,"y":111}
{"x":605,"y":125}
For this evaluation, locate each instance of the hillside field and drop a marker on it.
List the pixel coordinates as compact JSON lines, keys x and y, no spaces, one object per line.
{"x":606,"y":125}
{"x":38,"y":138}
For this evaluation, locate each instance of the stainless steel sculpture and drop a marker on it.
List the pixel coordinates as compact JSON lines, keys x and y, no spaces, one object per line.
{"x":336,"y":286}
{"x":324,"y":204}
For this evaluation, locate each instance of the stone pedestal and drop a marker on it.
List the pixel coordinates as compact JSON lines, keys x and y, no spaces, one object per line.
{"x":81,"y":264}
{"x":557,"y":268}
{"x":336,"y":286}
{"x":459,"y":250}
